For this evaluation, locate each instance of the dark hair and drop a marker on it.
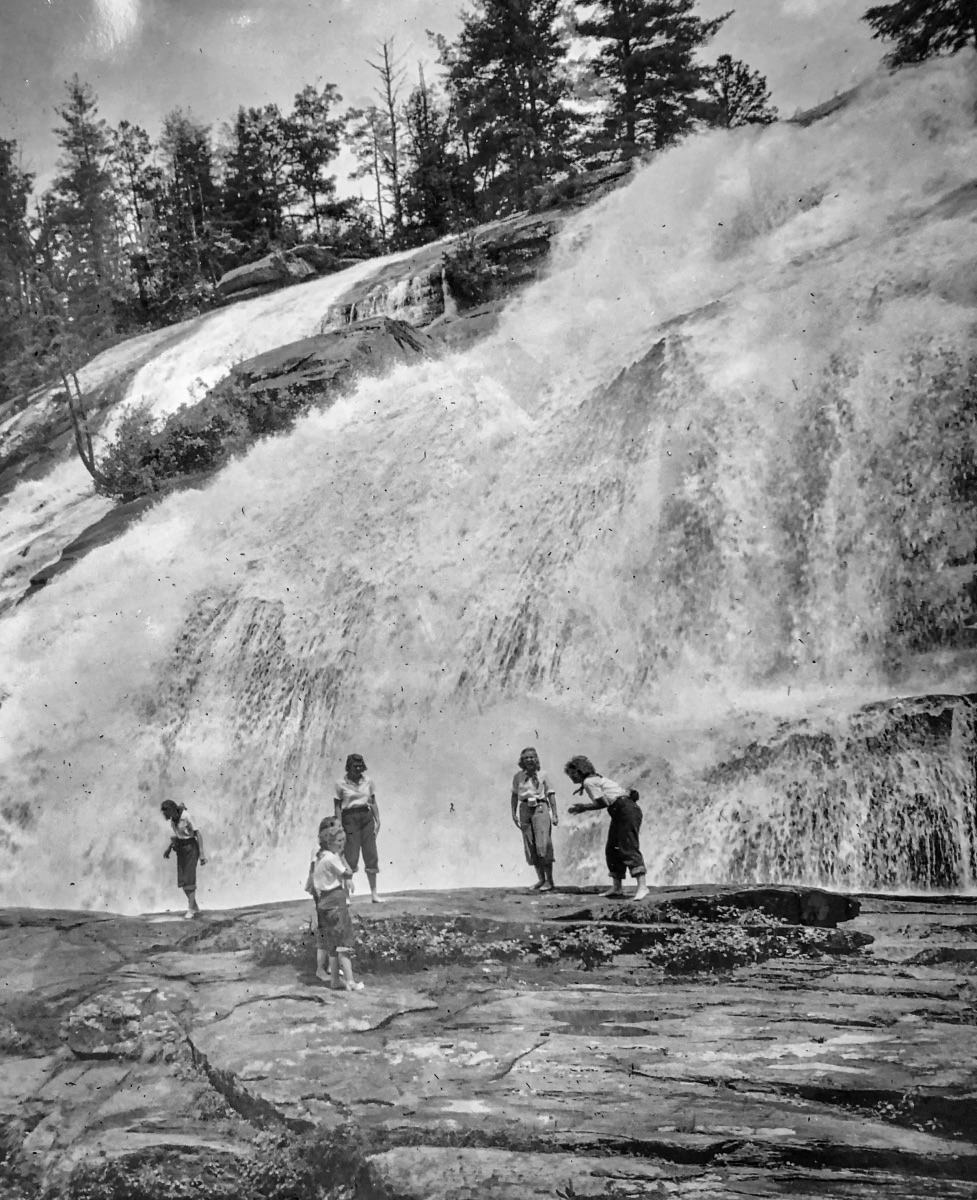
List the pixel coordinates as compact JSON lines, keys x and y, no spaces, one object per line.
{"x":580,"y":765}
{"x":355,"y":760}
{"x":171,"y":806}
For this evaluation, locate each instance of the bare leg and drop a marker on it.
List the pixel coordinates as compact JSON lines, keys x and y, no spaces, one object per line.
{"x":642,"y":889}
{"x":320,"y":965}
{"x":617,"y":886}
{"x":191,"y":895}
{"x":372,"y":877}
{"x":346,"y":967}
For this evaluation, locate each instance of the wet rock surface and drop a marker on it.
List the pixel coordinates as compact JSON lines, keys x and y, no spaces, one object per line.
{"x":154,"y":1054}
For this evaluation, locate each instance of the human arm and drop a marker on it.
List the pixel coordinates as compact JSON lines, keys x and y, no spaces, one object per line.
{"x":551,"y":800}
{"x":376,"y":812}
{"x":596,"y":800}
{"x":309,"y":886}
{"x":515,"y":810}
{"x":200,"y":846}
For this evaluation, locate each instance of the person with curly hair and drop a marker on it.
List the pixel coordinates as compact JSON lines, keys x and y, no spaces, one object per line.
{"x":623,"y":849}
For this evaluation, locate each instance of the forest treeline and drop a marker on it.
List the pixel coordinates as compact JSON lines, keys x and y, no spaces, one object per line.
{"x":135,"y":231}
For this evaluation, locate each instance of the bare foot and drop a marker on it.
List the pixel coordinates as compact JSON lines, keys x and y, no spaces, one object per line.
{"x":376,"y":899}
{"x":324,"y":977}
{"x":354,"y":986}
{"x":640,"y":893}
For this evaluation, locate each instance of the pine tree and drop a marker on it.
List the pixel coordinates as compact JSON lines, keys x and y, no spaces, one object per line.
{"x":366,"y":137}
{"x":647,"y":59}
{"x":141,"y":183}
{"x":740,"y":96}
{"x":84,"y":209}
{"x":311,"y":143}
{"x":257,"y":190}
{"x":16,"y":260}
{"x":391,"y":76}
{"x":437,"y":195}
{"x":189,"y":212}
{"x":509,"y":89}
{"x":924,"y":28}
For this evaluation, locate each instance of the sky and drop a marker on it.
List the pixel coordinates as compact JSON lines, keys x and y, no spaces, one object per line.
{"x":146,"y":57}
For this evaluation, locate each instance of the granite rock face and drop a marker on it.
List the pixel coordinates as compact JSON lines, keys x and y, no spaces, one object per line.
{"x":143,"y":1049}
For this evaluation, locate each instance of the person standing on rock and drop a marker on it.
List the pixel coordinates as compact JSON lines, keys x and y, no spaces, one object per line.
{"x":329,"y":883}
{"x":188,"y":843}
{"x":356,"y":808}
{"x":534,"y":814}
{"x":623,"y":849}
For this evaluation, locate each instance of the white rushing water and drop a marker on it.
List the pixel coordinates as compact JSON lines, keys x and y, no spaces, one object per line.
{"x":711,"y":472}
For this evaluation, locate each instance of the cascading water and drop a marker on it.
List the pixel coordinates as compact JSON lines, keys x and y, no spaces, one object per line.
{"x":716,"y":470}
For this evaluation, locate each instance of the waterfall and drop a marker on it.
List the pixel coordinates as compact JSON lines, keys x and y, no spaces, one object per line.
{"x":715,"y":471}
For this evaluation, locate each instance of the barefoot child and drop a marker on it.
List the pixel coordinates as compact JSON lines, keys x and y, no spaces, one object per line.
{"x":329,"y":882}
{"x":188,"y":843}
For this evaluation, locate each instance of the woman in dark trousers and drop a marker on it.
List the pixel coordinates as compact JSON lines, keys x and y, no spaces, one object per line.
{"x":623,"y":850}
{"x":355,"y":805}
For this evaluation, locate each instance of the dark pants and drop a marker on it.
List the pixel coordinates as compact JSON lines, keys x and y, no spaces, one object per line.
{"x":623,"y":850}
{"x":361,"y":834}
{"x":187,"y":853}
{"x":334,"y":925}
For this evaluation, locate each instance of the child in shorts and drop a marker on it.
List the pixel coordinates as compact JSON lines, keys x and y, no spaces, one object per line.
{"x":329,"y":883}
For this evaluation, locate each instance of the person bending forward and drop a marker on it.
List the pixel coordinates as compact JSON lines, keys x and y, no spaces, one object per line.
{"x":623,"y":849}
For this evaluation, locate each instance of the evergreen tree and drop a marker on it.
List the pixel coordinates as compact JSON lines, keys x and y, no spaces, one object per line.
{"x":366,"y":137}
{"x":437,"y":195}
{"x":141,"y":183}
{"x":84,"y":209}
{"x":256,"y":187}
{"x":391,"y":78}
{"x":740,"y":96}
{"x":188,"y":213}
{"x":924,"y":28}
{"x":312,"y":142}
{"x":509,"y":90}
{"x":647,"y":59}
{"x":16,"y":260}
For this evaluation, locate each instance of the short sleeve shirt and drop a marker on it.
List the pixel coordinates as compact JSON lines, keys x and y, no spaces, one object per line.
{"x":354,"y":795}
{"x":526,"y":790}
{"x":328,"y":870}
{"x":603,"y":791}
{"x":182,"y":827}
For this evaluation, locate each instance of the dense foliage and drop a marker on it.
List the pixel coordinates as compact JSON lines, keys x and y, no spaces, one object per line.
{"x":923,"y":28}
{"x":135,"y":231}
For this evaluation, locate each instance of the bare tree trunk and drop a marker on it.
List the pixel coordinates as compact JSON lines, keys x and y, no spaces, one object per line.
{"x":79,"y":423}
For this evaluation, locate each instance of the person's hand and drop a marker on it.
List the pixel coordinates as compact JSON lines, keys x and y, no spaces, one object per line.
{"x":350,"y":888}
{"x":577,"y":808}
{"x":167,"y":852}
{"x":515,"y":821}
{"x":556,"y":820}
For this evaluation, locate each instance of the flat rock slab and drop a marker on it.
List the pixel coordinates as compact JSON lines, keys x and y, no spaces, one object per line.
{"x":122,"y":1038}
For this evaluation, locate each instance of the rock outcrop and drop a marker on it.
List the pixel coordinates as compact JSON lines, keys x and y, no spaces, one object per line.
{"x":326,"y":364}
{"x":143,"y":1054}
